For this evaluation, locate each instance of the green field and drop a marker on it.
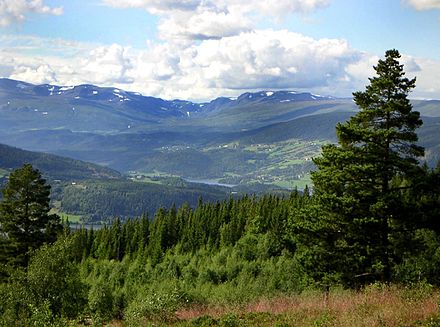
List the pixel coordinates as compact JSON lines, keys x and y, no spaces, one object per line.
{"x":286,"y":164}
{"x":65,"y":216}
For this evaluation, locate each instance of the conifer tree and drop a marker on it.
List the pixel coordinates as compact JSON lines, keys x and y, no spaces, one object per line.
{"x":358,"y":205}
{"x":25,"y":221}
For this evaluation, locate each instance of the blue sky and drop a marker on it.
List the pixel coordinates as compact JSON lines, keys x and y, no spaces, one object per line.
{"x":201,"y":49}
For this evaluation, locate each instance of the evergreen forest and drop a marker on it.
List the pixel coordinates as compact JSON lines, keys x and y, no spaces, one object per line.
{"x":369,"y":227}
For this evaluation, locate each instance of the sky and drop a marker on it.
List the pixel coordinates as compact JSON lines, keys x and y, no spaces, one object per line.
{"x":202,"y":49}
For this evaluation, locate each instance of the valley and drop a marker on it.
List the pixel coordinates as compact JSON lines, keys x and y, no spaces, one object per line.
{"x":154,"y":148}
{"x":263,"y":137}
{"x":85,"y":192}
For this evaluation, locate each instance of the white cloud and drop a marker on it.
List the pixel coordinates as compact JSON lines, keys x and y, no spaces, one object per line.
{"x":278,"y":7}
{"x":42,"y":74}
{"x":426,"y":71}
{"x":262,"y":59}
{"x":358,"y":72}
{"x":12,"y":11}
{"x":102,"y":65}
{"x":279,"y":59}
{"x":411,"y":66}
{"x":250,"y":61}
{"x":428,"y":81}
{"x":424,"y":4}
{"x":208,"y":49}
{"x":203,"y":24}
{"x":204,"y":19}
{"x":107,"y":65}
{"x":155,"y":6}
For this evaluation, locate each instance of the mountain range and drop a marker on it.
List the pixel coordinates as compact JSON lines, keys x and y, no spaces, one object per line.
{"x":266,"y":137}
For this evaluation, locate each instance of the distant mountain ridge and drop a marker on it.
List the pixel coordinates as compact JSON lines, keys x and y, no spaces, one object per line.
{"x":259,"y":137}
{"x":86,"y":93}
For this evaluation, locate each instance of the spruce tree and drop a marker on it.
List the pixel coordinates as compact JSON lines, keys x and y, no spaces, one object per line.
{"x":25,"y":222}
{"x":358,"y":205}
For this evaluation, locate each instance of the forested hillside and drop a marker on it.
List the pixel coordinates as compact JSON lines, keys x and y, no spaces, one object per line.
{"x":94,"y":193}
{"x":104,"y":200}
{"x":54,"y":167}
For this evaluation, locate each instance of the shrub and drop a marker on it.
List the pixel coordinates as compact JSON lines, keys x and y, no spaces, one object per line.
{"x":158,"y":304}
{"x":101,"y":302}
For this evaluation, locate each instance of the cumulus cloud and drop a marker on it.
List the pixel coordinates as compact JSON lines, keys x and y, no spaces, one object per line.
{"x":410,"y":64}
{"x":42,"y":74}
{"x":279,"y":7}
{"x":426,"y":71}
{"x":107,"y":64}
{"x":428,"y":81}
{"x":279,"y":58}
{"x":202,"y":25}
{"x":357,"y":73}
{"x":261,"y":59}
{"x":204,"y":19}
{"x":155,"y":6}
{"x":424,"y":4}
{"x":203,"y":70}
{"x":208,"y":49}
{"x":12,"y":11}
{"x":102,"y":65}
{"x":208,"y":68}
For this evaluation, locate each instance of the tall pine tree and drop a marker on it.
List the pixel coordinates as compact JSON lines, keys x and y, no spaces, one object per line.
{"x":357,"y":203}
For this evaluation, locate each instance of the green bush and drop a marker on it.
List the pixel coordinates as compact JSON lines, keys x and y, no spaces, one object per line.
{"x":101,"y":301}
{"x":53,"y":277}
{"x":203,"y":321}
{"x":229,"y":320}
{"x":155,"y":304}
{"x":49,"y":291}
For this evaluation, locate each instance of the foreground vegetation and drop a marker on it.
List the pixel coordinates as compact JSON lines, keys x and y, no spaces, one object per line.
{"x":375,"y":305}
{"x":228,"y":261}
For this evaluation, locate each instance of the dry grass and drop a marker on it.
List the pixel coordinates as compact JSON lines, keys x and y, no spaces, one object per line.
{"x":376,"y":305}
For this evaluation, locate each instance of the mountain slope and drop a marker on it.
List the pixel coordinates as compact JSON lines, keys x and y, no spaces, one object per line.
{"x":261,"y":137}
{"x":86,"y":108}
{"x":54,"y":167}
{"x":97,"y":193}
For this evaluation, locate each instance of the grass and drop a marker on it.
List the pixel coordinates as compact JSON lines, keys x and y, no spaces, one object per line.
{"x":300,"y":184}
{"x":375,"y":306}
{"x":65,"y":216}
{"x":155,"y":177}
{"x":72,"y":218}
{"x":146,"y":179}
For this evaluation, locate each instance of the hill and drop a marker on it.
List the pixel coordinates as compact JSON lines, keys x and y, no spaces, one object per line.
{"x":95,"y":193}
{"x":54,"y":167}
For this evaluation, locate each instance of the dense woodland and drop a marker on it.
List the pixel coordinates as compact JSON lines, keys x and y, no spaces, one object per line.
{"x":102,"y":200}
{"x":371,"y":217}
